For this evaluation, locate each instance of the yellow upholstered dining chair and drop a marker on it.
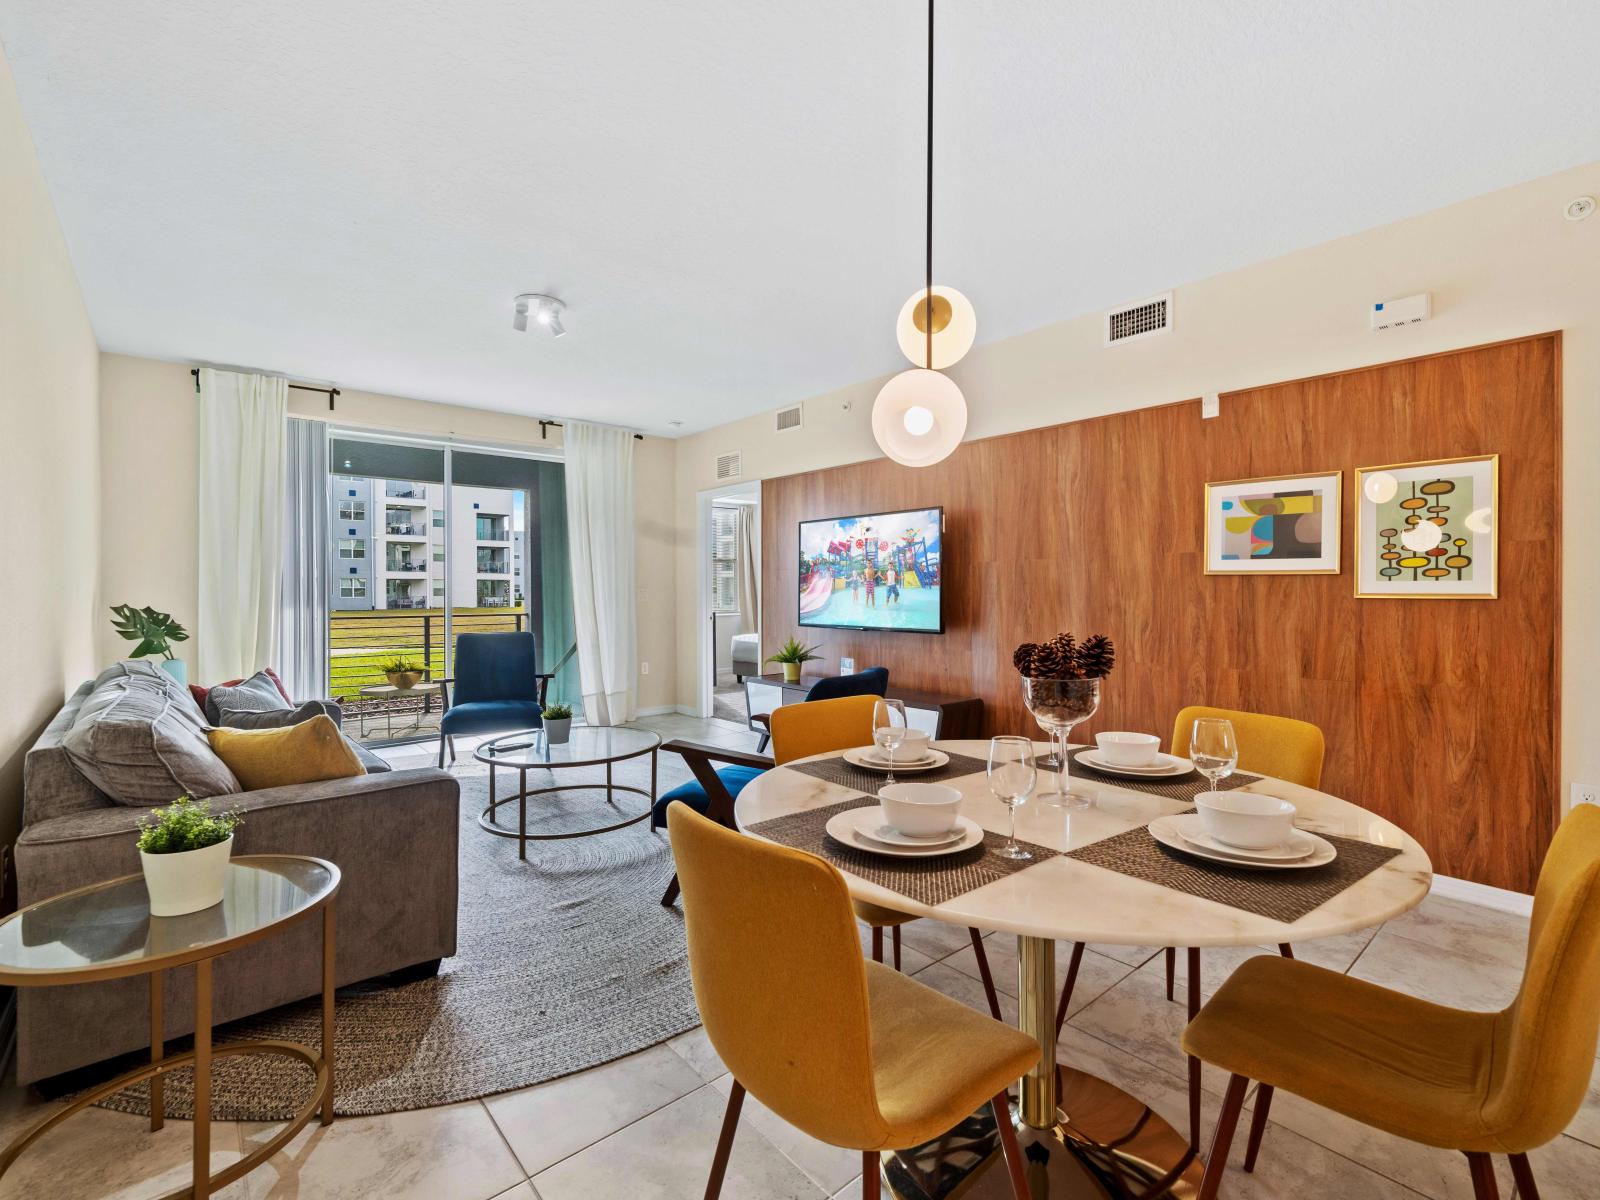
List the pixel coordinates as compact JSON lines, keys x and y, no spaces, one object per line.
{"x":1480,"y":1082}
{"x":847,"y":1051}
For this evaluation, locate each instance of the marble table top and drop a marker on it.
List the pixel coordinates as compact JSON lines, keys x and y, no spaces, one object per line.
{"x":1074,"y":901}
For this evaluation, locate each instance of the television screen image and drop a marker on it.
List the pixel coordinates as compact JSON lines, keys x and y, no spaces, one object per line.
{"x":880,"y":571}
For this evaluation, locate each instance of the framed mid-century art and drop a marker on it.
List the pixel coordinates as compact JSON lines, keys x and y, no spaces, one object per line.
{"x":1283,"y":525}
{"x":1428,"y":529}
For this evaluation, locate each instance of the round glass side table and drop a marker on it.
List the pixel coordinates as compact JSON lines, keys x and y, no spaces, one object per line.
{"x":105,"y":931}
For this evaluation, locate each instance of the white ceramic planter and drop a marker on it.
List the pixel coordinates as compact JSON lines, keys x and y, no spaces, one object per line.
{"x":188,"y":881}
{"x":558,"y":730}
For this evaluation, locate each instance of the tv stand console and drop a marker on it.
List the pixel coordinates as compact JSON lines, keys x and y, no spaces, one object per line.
{"x":937,"y":715}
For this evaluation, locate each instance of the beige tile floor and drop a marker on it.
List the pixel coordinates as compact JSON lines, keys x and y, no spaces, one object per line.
{"x":644,"y":1127}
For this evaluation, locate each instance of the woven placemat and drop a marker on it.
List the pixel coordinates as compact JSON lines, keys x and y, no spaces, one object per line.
{"x":1183,"y":787}
{"x":1280,"y":895}
{"x":837,"y":770}
{"x":925,"y":880}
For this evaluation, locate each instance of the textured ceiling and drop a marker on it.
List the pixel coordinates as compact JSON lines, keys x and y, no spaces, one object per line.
{"x":728,"y":194}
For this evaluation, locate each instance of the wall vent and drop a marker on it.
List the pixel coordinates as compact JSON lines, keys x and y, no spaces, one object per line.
{"x":1145,"y":319}
{"x":789,"y":419}
{"x":730,"y":465}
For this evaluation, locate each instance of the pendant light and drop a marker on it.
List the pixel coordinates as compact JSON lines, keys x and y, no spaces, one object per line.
{"x":920,"y":415}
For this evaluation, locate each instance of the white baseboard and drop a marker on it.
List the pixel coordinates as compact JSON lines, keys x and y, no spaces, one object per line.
{"x":1483,"y":895}
{"x":662,"y":709}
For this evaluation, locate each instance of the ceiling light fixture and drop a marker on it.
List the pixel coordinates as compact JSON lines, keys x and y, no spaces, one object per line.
{"x":545,"y":310}
{"x":920,"y":415}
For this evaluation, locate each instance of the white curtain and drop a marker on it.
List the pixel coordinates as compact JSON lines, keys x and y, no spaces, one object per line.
{"x":303,"y":594}
{"x":744,"y":570}
{"x":241,"y":485}
{"x":599,"y":470}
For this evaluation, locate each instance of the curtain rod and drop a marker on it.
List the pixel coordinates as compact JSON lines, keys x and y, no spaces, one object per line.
{"x":329,"y":392}
{"x":544,"y":427}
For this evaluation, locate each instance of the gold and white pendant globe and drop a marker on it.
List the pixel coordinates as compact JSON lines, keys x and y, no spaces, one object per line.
{"x":919,"y":417}
{"x":955,"y":326}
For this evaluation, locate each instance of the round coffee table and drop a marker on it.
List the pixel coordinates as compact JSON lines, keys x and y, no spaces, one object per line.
{"x":105,"y":931}
{"x":587,"y":746}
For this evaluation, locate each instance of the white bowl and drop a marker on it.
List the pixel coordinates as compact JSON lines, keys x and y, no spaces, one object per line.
{"x":1128,"y":749}
{"x":1246,"y":819}
{"x":920,"y":809}
{"x":914,"y":746}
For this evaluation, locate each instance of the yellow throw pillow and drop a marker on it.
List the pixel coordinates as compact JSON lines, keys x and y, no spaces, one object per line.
{"x":309,"y":752}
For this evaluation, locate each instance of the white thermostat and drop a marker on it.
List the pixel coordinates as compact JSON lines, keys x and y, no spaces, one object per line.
{"x":1387,"y":314}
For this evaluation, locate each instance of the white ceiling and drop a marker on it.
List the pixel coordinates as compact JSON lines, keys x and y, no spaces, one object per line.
{"x":728,"y":193}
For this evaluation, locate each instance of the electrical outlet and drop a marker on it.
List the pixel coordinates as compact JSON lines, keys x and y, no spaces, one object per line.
{"x":847,"y":666}
{"x":1585,"y":793}
{"x":644,"y":668}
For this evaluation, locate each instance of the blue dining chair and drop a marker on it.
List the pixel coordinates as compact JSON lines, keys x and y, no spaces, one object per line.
{"x":874,"y":681}
{"x":497,"y":686}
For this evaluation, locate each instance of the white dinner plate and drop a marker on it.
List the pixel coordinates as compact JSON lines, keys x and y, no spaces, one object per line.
{"x":1165,"y":831}
{"x":842,"y":828}
{"x":1191,"y":827}
{"x":1164,"y":766}
{"x":874,"y":823}
{"x":864,"y":758}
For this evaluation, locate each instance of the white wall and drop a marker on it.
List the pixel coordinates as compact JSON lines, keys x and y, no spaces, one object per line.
{"x":50,"y":545}
{"x":1499,"y":266}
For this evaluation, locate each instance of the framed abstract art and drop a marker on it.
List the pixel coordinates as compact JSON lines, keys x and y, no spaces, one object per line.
{"x":1287,"y":525}
{"x":1429,"y":529}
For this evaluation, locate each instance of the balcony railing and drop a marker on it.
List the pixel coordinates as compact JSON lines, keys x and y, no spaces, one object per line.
{"x":494,"y":602}
{"x":406,"y":565}
{"x":493,"y":566}
{"x":403,"y":492}
{"x":361,"y":642}
{"x":404,"y":530}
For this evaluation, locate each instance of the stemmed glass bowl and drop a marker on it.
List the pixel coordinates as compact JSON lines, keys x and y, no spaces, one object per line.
{"x":1059,"y":705}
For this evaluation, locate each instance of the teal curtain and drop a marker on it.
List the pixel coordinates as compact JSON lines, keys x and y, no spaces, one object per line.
{"x":558,"y":630}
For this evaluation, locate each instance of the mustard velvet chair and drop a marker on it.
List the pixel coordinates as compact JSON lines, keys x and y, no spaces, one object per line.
{"x":1480,"y":1082}
{"x":847,"y":1051}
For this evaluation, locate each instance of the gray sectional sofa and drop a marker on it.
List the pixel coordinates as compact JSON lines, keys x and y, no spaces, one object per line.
{"x":393,"y":835}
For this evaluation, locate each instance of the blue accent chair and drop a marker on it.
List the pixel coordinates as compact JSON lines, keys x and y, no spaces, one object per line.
{"x":874,"y":681}
{"x":712,"y":791}
{"x":498,"y":686}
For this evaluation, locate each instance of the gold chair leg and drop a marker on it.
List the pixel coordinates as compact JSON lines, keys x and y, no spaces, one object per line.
{"x":1258,"y":1125}
{"x":1222,"y":1140}
{"x":1484,"y":1184}
{"x":1522,"y":1172}
{"x":730,"y":1124}
{"x":1001,"y":1106}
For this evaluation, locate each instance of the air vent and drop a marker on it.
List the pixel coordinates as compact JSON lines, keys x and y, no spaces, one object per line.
{"x":730,"y":465}
{"x":789,"y":419}
{"x":1144,"y":319}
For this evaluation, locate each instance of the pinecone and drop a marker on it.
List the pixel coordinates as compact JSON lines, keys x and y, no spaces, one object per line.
{"x":1096,"y":657}
{"x":1022,"y":658}
{"x":1051,"y":662}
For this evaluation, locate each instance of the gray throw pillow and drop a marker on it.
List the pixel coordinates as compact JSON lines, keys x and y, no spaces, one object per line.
{"x":139,"y":738}
{"x":256,"y":694}
{"x":272,"y":718}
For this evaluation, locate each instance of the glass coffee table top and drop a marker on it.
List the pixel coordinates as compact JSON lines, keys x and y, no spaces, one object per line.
{"x":96,"y":930}
{"x":586,"y":746}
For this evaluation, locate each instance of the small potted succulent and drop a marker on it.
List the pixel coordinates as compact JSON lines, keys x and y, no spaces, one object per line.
{"x":184,"y":850}
{"x":791,"y":657}
{"x":155,"y":632}
{"x":403,"y":673}
{"x":558,"y":723}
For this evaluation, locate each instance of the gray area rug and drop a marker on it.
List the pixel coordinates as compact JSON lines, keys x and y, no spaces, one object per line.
{"x":564,"y":962}
{"x":729,"y":706}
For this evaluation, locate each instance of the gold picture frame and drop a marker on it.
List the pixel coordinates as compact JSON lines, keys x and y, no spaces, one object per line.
{"x":1472,"y":547}
{"x":1219,"y":496}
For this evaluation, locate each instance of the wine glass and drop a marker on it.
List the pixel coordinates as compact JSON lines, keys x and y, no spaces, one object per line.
{"x":1058,"y":705}
{"x":1213,"y":749}
{"x":889,"y":728}
{"x":1011,"y":779}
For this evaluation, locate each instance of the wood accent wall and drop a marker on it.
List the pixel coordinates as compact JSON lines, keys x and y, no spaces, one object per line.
{"x":1442,"y":715}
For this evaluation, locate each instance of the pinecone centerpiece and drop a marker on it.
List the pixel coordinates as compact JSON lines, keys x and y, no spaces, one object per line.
{"x":1061,"y":682}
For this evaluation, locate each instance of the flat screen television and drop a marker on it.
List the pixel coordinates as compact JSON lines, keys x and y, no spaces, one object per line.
{"x":877,"y":571}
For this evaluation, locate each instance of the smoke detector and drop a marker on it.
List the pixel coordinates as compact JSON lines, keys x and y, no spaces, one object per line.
{"x":545,"y":310}
{"x":1578,"y":208}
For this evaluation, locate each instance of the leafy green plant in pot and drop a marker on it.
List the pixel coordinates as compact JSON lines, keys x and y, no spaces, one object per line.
{"x":184,"y":850}
{"x":791,"y":657}
{"x":558,"y":723}
{"x":402,"y":672}
{"x":155,"y":632}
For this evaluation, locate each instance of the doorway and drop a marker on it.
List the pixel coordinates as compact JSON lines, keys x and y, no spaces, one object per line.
{"x":730,"y":599}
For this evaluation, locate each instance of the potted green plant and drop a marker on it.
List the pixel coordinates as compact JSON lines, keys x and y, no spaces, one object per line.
{"x":184,"y":850}
{"x":791,"y":657}
{"x":403,"y":673}
{"x":558,"y":723}
{"x":155,"y":632}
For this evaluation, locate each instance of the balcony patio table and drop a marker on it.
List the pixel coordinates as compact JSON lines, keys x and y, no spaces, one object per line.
{"x":387,"y":691}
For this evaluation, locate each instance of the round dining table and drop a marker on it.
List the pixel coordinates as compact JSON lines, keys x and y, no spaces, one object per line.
{"x":1083,"y":1136}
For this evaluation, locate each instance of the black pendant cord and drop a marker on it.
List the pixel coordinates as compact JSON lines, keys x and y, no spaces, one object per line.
{"x":927,"y":295}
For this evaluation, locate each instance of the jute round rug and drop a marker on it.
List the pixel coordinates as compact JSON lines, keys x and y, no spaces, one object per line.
{"x":564,"y":962}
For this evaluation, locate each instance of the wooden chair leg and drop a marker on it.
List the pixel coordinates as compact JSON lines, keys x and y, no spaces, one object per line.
{"x":1194,"y":1063}
{"x":1522,"y":1172}
{"x":1172,"y":969}
{"x":1484,"y":1184}
{"x":871,"y":1175}
{"x":877,"y":943}
{"x":1001,"y":1107}
{"x":730,"y":1123}
{"x":896,"y":939}
{"x":1066,"y":988}
{"x":670,"y":896}
{"x":761,"y":747}
{"x":1258,"y":1125}
{"x":1222,"y":1140}
{"x":989,"y":993}
{"x":1285,"y":949}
